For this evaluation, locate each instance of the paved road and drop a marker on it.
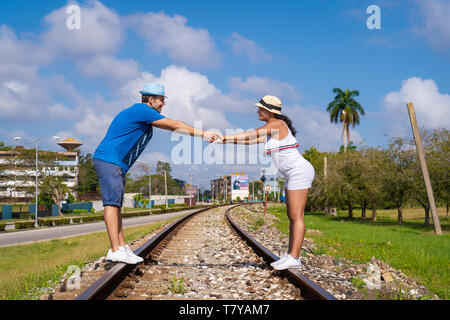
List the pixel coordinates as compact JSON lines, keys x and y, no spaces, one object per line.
{"x":29,"y":236}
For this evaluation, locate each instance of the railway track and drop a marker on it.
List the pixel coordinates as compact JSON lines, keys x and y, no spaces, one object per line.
{"x":203,"y":256}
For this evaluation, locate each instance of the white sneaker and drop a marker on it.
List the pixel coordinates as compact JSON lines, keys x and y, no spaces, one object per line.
{"x":131,"y":253}
{"x":279,"y":260}
{"x":120,"y":256}
{"x":289,"y":262}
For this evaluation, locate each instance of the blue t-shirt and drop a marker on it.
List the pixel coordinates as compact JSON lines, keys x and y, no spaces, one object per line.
{"x":127,"y":136}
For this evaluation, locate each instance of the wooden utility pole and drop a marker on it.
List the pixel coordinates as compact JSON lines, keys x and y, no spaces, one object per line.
{"x":327,"y":212}
{"x":423,"y":164}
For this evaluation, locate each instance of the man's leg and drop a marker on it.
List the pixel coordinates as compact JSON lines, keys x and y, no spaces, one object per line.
{"x":113,"y":221}
{"x":121,"y":238}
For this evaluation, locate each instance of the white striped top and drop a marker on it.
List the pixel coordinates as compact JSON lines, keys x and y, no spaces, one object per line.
{"x":288,"y":142}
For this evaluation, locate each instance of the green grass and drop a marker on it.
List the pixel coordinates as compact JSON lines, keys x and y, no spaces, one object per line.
{"x":410,"y":247}
{"x":25,"y":269}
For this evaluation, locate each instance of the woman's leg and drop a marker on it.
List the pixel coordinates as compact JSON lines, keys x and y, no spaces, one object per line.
{"x":295,"y":204}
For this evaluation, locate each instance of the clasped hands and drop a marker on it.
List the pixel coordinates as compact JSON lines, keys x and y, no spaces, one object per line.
{"x":212,"y":136}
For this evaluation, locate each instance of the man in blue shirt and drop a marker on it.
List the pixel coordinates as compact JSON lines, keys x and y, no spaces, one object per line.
{"x":127,"y":136}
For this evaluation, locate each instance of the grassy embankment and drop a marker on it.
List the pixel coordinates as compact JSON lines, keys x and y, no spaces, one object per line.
{"x":410,"y":246}
{"x":25,"y":269}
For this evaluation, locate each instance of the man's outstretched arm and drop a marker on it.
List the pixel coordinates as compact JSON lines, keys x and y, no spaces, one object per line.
{"x":183,"y":128}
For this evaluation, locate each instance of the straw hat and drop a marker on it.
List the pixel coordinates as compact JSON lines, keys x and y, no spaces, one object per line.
{"x":270,"y":103}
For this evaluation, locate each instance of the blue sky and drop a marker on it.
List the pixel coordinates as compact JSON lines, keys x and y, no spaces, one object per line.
{"x":217,"y":58}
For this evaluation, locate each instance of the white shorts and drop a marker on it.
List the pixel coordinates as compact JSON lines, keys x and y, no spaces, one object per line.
{"x":300,"y":177}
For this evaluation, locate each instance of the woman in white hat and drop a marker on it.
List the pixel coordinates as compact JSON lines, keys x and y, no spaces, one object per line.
{"x":280,"y":143}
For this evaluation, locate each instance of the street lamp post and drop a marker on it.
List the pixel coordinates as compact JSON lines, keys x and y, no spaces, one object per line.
{"x":253,"y":197}
{"x":150,"y":187}
{"x":165,"y":187}
{"x":190,"y":193}
{"x":35,"y":140}
{"x":149,"y":184}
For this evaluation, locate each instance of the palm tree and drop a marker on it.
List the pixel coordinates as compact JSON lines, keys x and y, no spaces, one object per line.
{"x":345,"y":109}
{"x":351,"y":146}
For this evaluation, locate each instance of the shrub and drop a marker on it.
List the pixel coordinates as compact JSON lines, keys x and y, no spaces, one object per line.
{"x":157,"y":211}
{"x":26,"y":216}
{"x":80,"y":210}
{"x":24,"y":225}
{"x":135,"y":214}
{"x":87,"y":218}
{"x":177,"y":205}
{"x":92,"y":218}
{"x":61,"y":221}
{"x":76,"y":219}
{"x":2,"y":226}
{"x":45,"y":222}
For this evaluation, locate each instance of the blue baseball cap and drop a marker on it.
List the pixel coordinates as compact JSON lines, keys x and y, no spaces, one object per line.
{"x":153,"y":89}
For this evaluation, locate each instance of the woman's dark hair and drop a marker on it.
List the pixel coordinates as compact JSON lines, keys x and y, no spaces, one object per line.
{"x":288,"y":122}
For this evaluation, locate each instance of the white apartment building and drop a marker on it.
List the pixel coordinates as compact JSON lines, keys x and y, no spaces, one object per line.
{"x":17,"y":177}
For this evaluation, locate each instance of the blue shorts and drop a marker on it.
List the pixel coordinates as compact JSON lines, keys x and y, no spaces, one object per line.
{"x":112,"y":182}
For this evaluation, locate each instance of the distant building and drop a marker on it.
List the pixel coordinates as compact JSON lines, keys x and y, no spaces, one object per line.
{"x":192,"y":192}
{"x":14,"y":188}
{"x":230,"y":187}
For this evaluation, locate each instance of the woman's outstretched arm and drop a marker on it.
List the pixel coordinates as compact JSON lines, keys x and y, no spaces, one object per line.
{"x":250,"y":137}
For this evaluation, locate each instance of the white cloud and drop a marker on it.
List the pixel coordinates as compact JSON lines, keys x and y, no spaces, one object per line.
{"x":431,"y":107}
{"x":59,"y":111}
{"x":112,"y":69}
{"x":187,"y":92}
{"x":20,"y":58}
{"x":100,"y":31}
{"x":242,"y":46}
{"x":92,"y":124}
{"x":261,"y":86}
{"x":172,"y":35}
{"x":435,"y":22}
{"x":21,"y":99}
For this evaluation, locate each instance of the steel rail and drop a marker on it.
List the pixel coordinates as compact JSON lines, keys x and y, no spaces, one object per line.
{"x":309,"y":289}
{"x":107,"y":283}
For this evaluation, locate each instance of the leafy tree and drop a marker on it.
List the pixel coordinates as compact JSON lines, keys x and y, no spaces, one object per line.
{"x":373,"y":178}
{"x":207,"y":194}
{"x":437,"y":152}
{"x":351,"y":186}
{"x":162,"y":166}
{"x":45,"y":199}
{"x":55,"y":187}
{"x":345,"y":109}
{"x":400,"y":172}
{"x":351,"y":146}
{"x":87,"y":176}
{"x":139,"y":198}
{"x":3,"y":147}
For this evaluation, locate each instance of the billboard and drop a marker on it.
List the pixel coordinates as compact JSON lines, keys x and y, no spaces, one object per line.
{"x":239,"y":182}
